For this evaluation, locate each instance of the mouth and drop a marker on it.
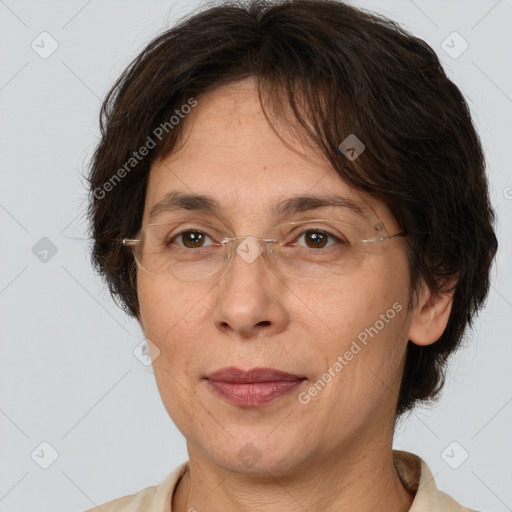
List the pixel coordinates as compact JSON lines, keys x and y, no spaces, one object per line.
{"x":256,"y":375}
{"x":254,"y":387}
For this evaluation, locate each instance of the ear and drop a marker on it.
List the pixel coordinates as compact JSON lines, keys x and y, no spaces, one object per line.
{"x":431,"y":315}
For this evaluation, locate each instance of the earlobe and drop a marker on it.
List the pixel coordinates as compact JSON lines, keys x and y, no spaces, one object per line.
{"x":431,"y":316}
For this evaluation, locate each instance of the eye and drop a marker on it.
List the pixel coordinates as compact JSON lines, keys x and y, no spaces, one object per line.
{"x":318,"y":239}
{"x":190,"y":239}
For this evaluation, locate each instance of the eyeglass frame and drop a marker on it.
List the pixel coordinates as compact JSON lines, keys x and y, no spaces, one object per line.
{"x":132,"y":242}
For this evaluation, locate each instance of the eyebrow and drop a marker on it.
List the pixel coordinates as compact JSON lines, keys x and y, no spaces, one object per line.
{"x":176,"y":201}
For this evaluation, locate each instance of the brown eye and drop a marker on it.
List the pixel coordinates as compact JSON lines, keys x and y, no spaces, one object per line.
{"x":190,"y":239}
{"x":316,"y":239}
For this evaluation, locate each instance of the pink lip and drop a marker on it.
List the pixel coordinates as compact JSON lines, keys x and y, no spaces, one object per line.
{"x":235,"y":375}
{"x":254,"y":387}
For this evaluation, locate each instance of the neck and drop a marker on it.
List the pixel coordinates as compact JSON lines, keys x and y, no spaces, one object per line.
{"x":365,"y":481}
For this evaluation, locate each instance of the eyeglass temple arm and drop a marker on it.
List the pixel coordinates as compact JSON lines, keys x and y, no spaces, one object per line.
{"x":380,"y":239}
{"x":130,"y":241}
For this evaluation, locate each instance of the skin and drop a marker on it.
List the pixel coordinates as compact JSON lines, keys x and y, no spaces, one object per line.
{"x":334,"y":453}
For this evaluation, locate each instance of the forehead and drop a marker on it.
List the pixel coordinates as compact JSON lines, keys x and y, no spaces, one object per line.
{"x":230,"y":151}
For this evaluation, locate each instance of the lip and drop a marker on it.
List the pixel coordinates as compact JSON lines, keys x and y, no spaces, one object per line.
{"x":254,"y":387}
{"x":237,"y":376}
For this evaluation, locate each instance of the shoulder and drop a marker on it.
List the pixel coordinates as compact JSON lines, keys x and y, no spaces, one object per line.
{"x":417,"y":478}
{"x":156,"y":497}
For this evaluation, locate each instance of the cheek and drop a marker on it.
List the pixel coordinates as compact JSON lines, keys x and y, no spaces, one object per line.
{"x":172,"y":320}
{"x":356,"y":304}
{"x":167,"y":310}
{"x":359,"y":366}
{"x":367,"y":324}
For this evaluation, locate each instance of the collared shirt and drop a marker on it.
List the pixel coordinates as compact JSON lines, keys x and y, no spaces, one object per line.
{"x":412,"y":470}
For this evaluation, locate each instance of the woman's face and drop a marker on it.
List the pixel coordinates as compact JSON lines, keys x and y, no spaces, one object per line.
{"x":253,"y":317}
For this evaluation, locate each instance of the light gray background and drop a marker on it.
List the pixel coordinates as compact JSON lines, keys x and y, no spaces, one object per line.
{"x":68,"y":374}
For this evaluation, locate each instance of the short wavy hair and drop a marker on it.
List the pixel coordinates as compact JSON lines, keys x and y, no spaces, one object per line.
{"x":340,"y":71}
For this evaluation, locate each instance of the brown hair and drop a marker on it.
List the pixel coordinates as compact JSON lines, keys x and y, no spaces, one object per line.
{"x":341,"y":71}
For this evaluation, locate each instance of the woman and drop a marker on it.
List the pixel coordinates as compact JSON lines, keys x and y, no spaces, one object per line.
{"x":291,"y":200}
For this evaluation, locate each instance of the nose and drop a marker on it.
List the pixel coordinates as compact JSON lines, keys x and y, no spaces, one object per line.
{"x":251,"y":296}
